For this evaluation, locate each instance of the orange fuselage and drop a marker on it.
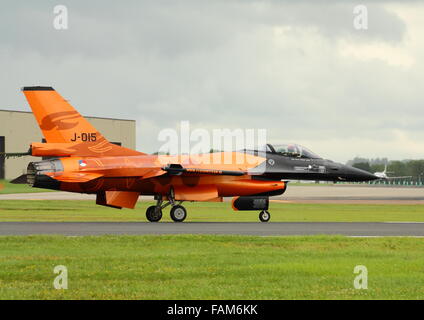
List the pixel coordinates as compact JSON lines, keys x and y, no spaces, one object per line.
{"x":131,"y":173}
{"x":85,"y":161}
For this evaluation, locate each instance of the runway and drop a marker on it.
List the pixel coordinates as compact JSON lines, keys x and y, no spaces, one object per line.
{"x":370,"y":229}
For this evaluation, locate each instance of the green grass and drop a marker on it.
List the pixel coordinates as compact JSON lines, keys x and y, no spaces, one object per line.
{"x":8,"y":188}
{"x":73,"y":210}
{"x":210,"y":267}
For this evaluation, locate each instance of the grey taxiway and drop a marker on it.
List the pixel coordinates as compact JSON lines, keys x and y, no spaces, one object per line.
{"x":369,"y":229}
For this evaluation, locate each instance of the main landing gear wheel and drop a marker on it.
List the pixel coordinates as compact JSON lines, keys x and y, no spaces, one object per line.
{"x":264,"y":216}
{"x":178,"y":213}
{"x":154,"y":213}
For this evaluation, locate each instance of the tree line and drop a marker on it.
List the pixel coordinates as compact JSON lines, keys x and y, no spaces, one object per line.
{"x":395,"y":168}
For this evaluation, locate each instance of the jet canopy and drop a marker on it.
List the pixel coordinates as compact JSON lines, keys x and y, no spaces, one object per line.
{"x":291,"y":150}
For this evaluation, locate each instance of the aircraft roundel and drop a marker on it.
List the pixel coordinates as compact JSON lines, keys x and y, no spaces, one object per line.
{"x":82,"y":163}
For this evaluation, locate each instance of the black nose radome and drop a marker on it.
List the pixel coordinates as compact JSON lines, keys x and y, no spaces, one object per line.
{"x":355,"y":174}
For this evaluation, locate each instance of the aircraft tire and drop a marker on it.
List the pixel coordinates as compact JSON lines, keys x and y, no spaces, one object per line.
{"x":264,"y":216}
{"x":153,"y":214}
{"x":178,"y":213}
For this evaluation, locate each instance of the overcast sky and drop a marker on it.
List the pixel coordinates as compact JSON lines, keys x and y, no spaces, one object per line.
{"x":297,"y":68}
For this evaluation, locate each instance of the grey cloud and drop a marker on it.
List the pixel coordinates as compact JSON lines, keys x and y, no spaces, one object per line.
{"x":174,"y":28}
{"x":216,"y":64}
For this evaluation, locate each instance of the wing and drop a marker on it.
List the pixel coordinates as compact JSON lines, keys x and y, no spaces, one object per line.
{"x":177,"y":169}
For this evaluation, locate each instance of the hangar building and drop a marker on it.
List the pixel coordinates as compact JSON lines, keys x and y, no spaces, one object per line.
{"x":18,"y":129}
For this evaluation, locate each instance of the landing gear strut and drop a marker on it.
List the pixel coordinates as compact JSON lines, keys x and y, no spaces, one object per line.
{"x":178,"y":212}
{"x":264,"y":216}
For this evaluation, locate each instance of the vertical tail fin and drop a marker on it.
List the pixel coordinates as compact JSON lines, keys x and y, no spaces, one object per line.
{"x":57,"y":119}
{"x":61,"y":123}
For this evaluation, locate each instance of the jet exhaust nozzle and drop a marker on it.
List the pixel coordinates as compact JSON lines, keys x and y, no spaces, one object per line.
{"x":36,"y":174}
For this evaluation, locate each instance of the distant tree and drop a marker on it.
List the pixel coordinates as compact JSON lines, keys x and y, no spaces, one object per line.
{"x":397,"y":168}
{"x":379,"y":161}
{"x":160,"y":153}
{"x":409,"y":168}
{"x":415,"y":168}
{"x":363,"y":166}
{"x":377,"y":167}
{"x":357,"y":160}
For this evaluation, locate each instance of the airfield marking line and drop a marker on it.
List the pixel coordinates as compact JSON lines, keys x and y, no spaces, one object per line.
{"x":384,"y":236}
{"x":403,"y":221}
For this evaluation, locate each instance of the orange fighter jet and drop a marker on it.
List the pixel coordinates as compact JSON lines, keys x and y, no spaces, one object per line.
{"x":86,"y":162}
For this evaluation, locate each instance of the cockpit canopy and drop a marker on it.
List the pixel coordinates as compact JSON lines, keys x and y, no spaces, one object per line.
{"x":291,"y":150}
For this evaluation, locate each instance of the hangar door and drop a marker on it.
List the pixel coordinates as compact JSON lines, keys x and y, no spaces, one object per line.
{"x":2,"y":149}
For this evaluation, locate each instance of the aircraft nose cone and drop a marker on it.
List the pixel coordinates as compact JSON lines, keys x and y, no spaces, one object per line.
{"x":355,"y":174}
{"x":367,"y":176}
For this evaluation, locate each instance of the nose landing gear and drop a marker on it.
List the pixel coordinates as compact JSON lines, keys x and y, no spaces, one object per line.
{"x":264,"y":216}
